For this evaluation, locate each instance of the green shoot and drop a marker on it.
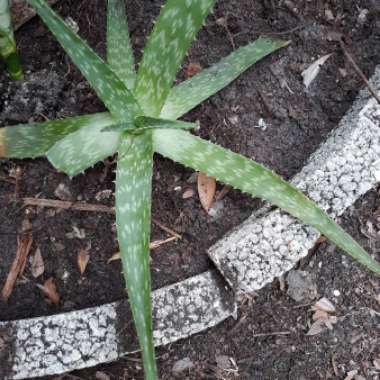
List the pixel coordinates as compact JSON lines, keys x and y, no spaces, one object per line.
{"x":8,"y":50}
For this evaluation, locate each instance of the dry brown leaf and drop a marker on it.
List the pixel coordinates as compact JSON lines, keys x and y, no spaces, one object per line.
{"x":193,"y":69}
{"x":206,"y":190}
{"x":24,"y":244}
{"x":50,"y":290}
{"x":325,"y":305}
{"x":83,"y":259}
{"x":38,"y":266}
{"x":320,"y":314}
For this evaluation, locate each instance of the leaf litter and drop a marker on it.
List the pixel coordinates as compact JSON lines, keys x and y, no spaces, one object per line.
{"x":206,"y":190}
{"x":24,"y":243}
{"x":38,"y":265}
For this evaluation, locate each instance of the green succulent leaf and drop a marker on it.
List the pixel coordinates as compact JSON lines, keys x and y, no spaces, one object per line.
{"x":83,"y":148}
{"x":110,"y":89}
{"x":251,"y":177}
{"x":172,"y":35}
{"x":119,"y":49}
{"x":133,"y":218}
{"x":147,"y":122}
{"x":34,"y":140}
{"x":188,"y":94}
{"x":8,"y":50}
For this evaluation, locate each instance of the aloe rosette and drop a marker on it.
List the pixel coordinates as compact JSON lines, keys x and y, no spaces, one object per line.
{"x":8,"y":50}
{"x":143,"y":110}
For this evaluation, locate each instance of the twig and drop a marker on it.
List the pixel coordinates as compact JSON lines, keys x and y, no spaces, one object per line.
{"x":303,"y":305}
{"x":81,"y":206}
{"x":158,"y":243}
{"x":67,"y":205}
{"x":271,"y":334}
{"x":166,"y":229}
{"x":359,"y":72}
{"x":5,"y":179}
{"x":24,"y":244}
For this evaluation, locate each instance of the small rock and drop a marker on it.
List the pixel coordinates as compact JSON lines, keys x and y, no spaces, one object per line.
{"x":301,"y":286}
{"x":188,"y":194}
{"x":363,"y":15}
{"x":63,"y":192}
{"x":182,"y":365}
{"x":336,"y":293}
{"x":223,"y":362}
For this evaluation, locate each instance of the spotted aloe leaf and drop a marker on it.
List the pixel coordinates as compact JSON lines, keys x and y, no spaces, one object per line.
{"x":83,"y":148}
{"x":110,"y":89}
{"x":251,"y":177}
{"x":133,"y":209}
{"x":119,"y":49}
{"x":188,"y":94}
{"x":34,"y":140}
{"x":172,"y":35}
{"x":8,"y":50}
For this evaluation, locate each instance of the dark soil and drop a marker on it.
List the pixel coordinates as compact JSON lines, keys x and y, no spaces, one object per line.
{"x":298,"y":121}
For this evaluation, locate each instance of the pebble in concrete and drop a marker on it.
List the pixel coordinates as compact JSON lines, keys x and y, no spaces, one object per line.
{"x":84,"y":338}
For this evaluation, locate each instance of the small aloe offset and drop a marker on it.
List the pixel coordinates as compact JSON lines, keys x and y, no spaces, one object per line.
{"x":8,"y":50}
{"x":143,"y":110}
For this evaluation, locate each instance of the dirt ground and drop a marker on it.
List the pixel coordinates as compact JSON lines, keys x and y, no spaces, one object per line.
{"x":297,"y":122}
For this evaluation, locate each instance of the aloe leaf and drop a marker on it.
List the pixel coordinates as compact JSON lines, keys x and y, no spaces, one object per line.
{"x":175,"y":29}
{"x":188,"y":94}
{"x":8,"y":50}
{"x":147,"y":122}
{"x":133,"y":217}
{"x":119,"y":49}
{"x":34,"y":140}
{"x":83,"y":148}
{"x":251,"y":177}
{"x":110,"y":89}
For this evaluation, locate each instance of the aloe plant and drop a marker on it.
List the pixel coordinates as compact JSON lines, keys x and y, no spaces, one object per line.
{"x":8,"y":50}
{"x":143,"y":110}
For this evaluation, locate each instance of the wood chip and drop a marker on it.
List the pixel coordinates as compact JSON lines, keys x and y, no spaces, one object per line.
{"x":193,"y":69}
{"x":83,"y":258}
{"x":206,"y":190}
{"x":50,"y":290}
{"x":38,"y":266}
{"x":24,"y":244}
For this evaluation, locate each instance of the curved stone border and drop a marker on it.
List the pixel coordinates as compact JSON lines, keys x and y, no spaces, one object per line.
{"x":343,"y":169}
{"x":84,"y":338}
